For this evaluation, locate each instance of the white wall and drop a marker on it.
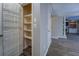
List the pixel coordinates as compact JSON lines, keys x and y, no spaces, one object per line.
{"x":57,"y":27}
{"x":54,"y":27}
{"x":36,"y":30}
{"x":49,"y":24}
{"x":41,"y":41}
{"x":43,"y":28}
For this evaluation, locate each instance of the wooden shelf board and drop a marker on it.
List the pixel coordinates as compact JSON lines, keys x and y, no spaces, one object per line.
{"x":28,"y":37}
{"x":27,"y":30}
{"x":28,"y":23}
{"x":27,"y":15}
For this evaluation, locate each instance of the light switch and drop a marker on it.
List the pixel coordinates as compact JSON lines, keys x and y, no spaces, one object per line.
{"x":34,"y":20}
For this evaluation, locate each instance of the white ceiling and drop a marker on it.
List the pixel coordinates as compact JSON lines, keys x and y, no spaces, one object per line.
{"x":64,"y":8}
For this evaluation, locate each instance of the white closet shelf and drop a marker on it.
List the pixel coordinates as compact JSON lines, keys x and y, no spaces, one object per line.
{"x":28,"y":37}
{"x":27,"y":15}
{"x":27,"y":30}
{"x":28,"y":23}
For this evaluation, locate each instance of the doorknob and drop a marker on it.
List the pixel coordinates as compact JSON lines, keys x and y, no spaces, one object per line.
{"x":1,"y":35}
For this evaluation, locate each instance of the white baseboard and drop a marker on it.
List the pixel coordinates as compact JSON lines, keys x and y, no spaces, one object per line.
{"x":57,"y":37}
{"x":62,"y":37}
{"x":47,"y":48}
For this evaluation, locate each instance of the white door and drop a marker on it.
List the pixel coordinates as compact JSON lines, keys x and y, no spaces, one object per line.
{"x":1,"y":41}
{"x":11,"y":20}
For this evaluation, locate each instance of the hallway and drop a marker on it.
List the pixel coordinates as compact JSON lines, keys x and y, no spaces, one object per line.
{"x":65,"y":47}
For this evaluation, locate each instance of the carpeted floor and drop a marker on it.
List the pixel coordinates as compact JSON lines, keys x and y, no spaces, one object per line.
{"x":65,"y":47}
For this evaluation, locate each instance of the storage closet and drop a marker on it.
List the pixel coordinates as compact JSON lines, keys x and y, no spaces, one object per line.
{"x":15,"y":29}
{"x":27,"y":29}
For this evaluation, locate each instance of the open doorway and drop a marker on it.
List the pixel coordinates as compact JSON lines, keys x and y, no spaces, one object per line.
{"x":72,"y":27}
{"x":27,"y":29}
